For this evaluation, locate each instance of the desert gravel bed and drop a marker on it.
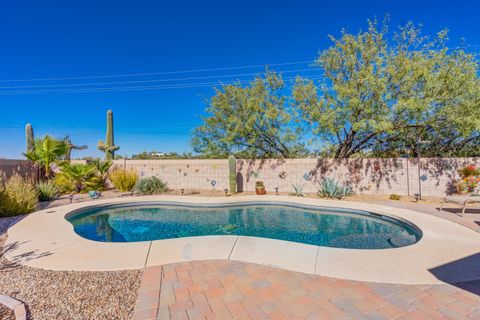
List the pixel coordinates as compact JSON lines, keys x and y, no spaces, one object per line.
{"x":6,"y":313}
{"x":68,"y":295}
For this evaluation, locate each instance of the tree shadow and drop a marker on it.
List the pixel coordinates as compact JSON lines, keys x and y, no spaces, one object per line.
{"x":364,"y":174}
{"x":239,"y":182}
{"x":7,"y":222}
{"x":16,"y":260}
{"x":462,"y":273}
{"x":458,"y":210}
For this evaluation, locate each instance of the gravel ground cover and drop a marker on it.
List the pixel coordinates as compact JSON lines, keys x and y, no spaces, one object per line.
{"x":65,"y":294}
{"x":6,"y":313}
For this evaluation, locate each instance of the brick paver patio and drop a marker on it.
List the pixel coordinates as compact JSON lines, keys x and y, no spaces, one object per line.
{"x":238,"y":290}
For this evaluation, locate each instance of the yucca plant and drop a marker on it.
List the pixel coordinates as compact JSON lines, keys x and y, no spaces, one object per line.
{"x":331,"y":188}
{"x":47,"y":190}
{"x":150,"y":185}
{"x":298,"y":190}
{"x":123,"y":180}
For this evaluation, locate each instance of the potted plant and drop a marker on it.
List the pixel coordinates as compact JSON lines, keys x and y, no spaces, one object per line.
{"x":470,"y":179}
{"x":260,"y":188}
{"x":461,"y":187}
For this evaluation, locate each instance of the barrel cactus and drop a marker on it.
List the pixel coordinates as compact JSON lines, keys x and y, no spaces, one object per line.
{"x":232,"y":168}
{"x":108,"y":146}
{"x":29,"y":137}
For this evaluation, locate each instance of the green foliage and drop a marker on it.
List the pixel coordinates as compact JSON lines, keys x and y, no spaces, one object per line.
{"x":252,"y":121}
{"x":29,"y":137}
{"x":331,"y":188}
{"x":298,"y":190}
{"x":108,"y":146}
{"x":46,"y":151}
{"x":47,"y":190}
{"x":232,"y":173}
{"x":17,"y":196}
{"x":123,"y":180}
{"x":380,"y":95}
{"x":102,"y":171}
{"x":79,"y":175}
{"x":63,"y":183}
{"x":395,"y":197}
{"x":259,"y":184}
{"x":468,"y":171}
{"x":150,"y":185}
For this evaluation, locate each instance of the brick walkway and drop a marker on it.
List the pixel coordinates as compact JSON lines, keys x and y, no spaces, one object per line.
{"x":236,"y":290}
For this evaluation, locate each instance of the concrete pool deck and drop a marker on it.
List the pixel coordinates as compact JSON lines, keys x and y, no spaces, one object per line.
{"x":447,"y":252}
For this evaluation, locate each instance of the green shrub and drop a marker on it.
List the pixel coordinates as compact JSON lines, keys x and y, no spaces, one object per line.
{"x":47,"y":191}
{"x":331,"y":188}
{"x":298,"y":190}
{"x":95,"y":183}
{"x":395,"y":197}
{"x":259,"y":184}
{"x":150,"y":185}
{"x":123,"y":180}
{"x":100,"y":182}
{"x":63,"y":183}
{"x":17,"y":196}
{"x":79,"y":175}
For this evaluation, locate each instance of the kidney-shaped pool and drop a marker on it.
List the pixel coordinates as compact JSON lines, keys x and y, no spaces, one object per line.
{"x":330,"y":227}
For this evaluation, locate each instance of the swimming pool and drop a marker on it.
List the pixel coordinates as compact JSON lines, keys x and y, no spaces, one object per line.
{"x":330,"y":227}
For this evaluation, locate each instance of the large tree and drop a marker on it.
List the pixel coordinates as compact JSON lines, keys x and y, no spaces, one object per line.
{"x":381,"y":94}
{"x":250,"y":121}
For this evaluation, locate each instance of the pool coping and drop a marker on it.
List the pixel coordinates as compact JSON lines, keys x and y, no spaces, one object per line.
{"x":45,"y":239}
{"x":353,"y":212}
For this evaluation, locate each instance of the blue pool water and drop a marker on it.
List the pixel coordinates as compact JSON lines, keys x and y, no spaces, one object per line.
{"x":340,"y":228}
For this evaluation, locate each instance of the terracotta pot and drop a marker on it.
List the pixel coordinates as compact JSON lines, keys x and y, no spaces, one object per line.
{"x":260,"y":191}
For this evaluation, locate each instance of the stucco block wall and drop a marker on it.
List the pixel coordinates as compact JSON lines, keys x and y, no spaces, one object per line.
{"x":188,"y":174}
{"x":24,"y":168}
{"x":367,"y":176}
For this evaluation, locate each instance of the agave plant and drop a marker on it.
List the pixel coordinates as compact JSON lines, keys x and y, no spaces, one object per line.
{"x":331,"y":188}
{"x":298,"y":190}
{"x":47,"y":191}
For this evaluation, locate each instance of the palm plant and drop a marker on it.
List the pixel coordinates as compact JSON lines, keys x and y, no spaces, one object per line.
{"x":78,"y":174}
{"x":45,"y":152}
{"x":99,"y":182}
{"x":102,"y":167}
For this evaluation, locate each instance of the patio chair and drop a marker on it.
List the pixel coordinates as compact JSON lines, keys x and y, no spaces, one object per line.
{"x":462,"y":200}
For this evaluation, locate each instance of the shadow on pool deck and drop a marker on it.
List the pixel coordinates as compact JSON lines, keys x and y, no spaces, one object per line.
{"x":17,"y":260}
{"x":469,"y":267}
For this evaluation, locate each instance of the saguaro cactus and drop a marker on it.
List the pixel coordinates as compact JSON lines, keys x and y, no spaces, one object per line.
{"x":69,"y":146}
{"x":29,"y":137}
{"x":232,"y":168}
{"x":108,"y":146}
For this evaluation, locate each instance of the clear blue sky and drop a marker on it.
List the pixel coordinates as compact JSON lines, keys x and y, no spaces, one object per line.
{"x":56,"y":39}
